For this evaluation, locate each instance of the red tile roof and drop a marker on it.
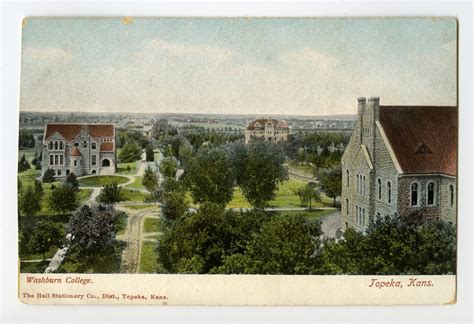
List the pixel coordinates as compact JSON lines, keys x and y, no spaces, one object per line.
{"x":423,"y":138}
{"x":263,"y":121}
{"x":75,"y":152}
{"x":107,"y":147}
{"x":70,"y":131}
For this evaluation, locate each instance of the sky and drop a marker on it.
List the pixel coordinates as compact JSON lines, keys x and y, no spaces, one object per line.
{"x":298,"y":66}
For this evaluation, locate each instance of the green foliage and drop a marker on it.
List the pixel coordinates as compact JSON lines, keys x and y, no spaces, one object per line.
{"x":150,"y":155}
{"x":330,"y":181}
{"x":173,"y":200}
{"x":261,"y":170}
{"x":29,"y":202}
{"x":46,"y":235}
{"x":72,"y":181}
{"x":48,"y":176}
{"x":307,"y":193}
{"x":26,"y":139}
{"x":168,"y":167}
{"x":150,"y":180}
{"x":394,"y":246}
{"x":39,"y":191}
{"x":63,"y":199}
{"x":128,"y":136}
{"x":92,"y":230}
{"x":209,"y":176}
{"x":153,"y":197}
{"x":130,"y":152}
{"x":111,"y":194}
{"x":161,"y":128}
{"x":23,"y":164}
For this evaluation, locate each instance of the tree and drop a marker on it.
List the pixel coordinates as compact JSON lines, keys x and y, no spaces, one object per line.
{"x":307,"y":193}
{"x":150,"y":155}
{"x":130,"y":152}
{"x":153,"y":196}
{"x":210,"y":177}
{"x":23,"y":164}
{"x":63,"y":199}
{"x":263,"y":170}
{"x":173,"y":204}
{"x":48,"y":176}
{"x":72,"y":181}
{"x":111,"y":194}
{"x":92,"y":230}
{"x":39,"y":191}
{"x":26,"y":139}
{"x":168,"y":167}
{"x":150,"y":180}
{"x":38,"y":161}
{"x":30,"y":202}
{"x":330,"y":181}
{"x":46,"y":235}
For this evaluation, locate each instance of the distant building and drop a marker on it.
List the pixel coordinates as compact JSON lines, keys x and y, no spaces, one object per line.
{"x":80,"y":148}
{"x":270,"y":130}
{"x":400,"y":159}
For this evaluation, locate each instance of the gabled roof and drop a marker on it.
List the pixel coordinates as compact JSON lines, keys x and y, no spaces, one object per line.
{"x":264,"y":121}
{"x":423,"y":138}
{"x":75,"y":152}
{"x":106,"y":147}
{"x":70,"y":131}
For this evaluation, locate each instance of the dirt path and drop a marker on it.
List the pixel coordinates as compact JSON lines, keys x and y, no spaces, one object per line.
{"x":330,"y":224}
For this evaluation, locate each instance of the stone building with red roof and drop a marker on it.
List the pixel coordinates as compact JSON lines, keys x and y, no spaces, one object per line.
{"x":80,"y":148}
{"x":400,"y":159}
{"x":266,"y":129}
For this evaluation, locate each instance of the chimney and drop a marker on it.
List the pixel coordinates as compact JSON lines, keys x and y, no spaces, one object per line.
{"x":374,"y":105}
{"x":360,"y":113}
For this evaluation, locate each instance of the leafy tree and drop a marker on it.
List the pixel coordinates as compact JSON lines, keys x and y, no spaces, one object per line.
{"x":173,"y":202}
{"x":30,"y":202}
{"x":46,"y":235}
{"x":150,"y":155}
{"x":307,"y":193}
{"x":168,"y":167}
{"x":130,"y":152}
{"x":39,"y":191}
{"x":35,"y":158}
{"x":72,"y":181}
{"x":111,"y":194}
{"x":330,"y":181}
{"x":210,"y":176}
{"x":26,"y":139}
{"x":153,"y":196}
{"x":48,"y":176}
{"x":23,"y":164}
{"x":63,"y":199}
{"x":92,"y":230}
{"x":150,"y":180}
{"x":262,"y":171}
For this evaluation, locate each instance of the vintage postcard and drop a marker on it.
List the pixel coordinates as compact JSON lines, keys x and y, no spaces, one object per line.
{"x":238,"y":161}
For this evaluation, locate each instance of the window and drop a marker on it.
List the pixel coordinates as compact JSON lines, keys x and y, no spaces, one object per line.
{"x":51,"y":159}
{"x":363,"y":217}
{"x":67,"y":172}
{"x":94,"y":160}
{"x":363,"y":186}
{"x":76,"y":144}
{"x":414,"y":194}
{"x":357,"y":184}
{"x":431,"y":197}
{"x":61,"y":159}
{"x":75,"y":163}
{"x":378,"y":215}
{"x":379,"y":189}
{"x":56,"y":159}
{"x":357,"y":215}
{"x":55,"y":145}
{"x":59,"y":172}
{"x":61,"y":145}
{"x":451,"y":195}
{"x":347,"y":206}
{"x":94,"y":146}
{"x":347,"y":178}
{"x":50,"y":145}
{"x":84,"y":145}
{"x":389,"y":192}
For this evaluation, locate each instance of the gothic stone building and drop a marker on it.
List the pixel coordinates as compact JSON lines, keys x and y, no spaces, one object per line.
{"x":271,"y":130}
{"x":400,"y":159}
{"x":80,"y":148}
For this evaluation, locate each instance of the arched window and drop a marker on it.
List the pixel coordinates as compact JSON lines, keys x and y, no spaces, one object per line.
{"x":347,"y":178}
{"x":431,"y":194}
{"x":379,"y":189}
{"x":363,"y":186}
{"x":451,"y":195}
{"x":61,"y":145}
{"x":55,"y":145}
{"x":50,"y":145}
{"x":414,"y":194}
{"x":389,"y":192}
{"x":357,"y":184}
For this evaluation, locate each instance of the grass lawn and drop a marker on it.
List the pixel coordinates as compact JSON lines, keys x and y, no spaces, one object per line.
{"x":140,"y":207}
{"x":127,"y":168}
{"x":303,"y":167}
{"x":29,"y":154}
{"x":148,"y":258}
{"x":121,"y":223}
{"x":33,"y":267}
{"x":151,"y":225}
{"x":99,"y":181}
{"x":137,"y":184}
{"x":133,"y":195}
{"x":38,"y":256}
{"x":313,"y":214}
{"x":84,"y":194}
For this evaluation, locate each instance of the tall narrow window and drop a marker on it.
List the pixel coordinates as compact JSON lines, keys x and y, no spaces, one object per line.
{"x":363,"y":217}
{"x":451,"y":195}
{"x":379,"y":189}
{"x":347,"y":206}
{"x":414,"y":194}
{"x":431,"y":194}
{"x":363,"y":186}
{"x":50,"y":145}
{"x":357,"y":184}
{"x":61,"y":145}
{"x":55,"y":145}
{"x":61,"y":161}
{"x":389,"y":192}
{"x":51,"y":159}
{"x":56,"y":159}
{"x":94,"y":160}
{"x":93,"y":146}
{"x":75,"y":162}
{"x":347,"y":178}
